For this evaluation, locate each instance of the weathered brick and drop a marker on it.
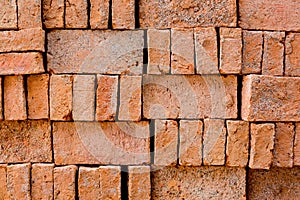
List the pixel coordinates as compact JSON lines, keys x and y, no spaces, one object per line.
{"x":101,"y":143}
{"x":262,"y":145}
{"x":29,"y":14}
{"x":186,"y":13}
{"x":64,"y":182}
{"x":182,"y":48}
{"x":252,"y":52}
{"x":25,"y":141}
{"x":37,"y":97}
{"x":88,"y":183}
{"x":190,"y":148}
{"x":292,"y":51}
{"x":61,"y":97}
{"x":273,"y":55}
{"x":189,"y":97}
{"x":123,"y":14}
{"x":206,"y":50}
{"x":297,"y":146}
{"x":18,"y":181}
{"x":8,"y":14}
{"x":1,"y":100}
{"x":3,"y":182}
{"x":110,"y":182}
{"x":166,"y":141}
{"x":21,"y":63}
{"x":14,"y":98}
{"x":76,"y":15}
{"x":230,"y":50}
{"x":214,"y":138}
{"x":84,"y":98}
{"x":237,"y":143}
{"x":130,"y":98}
{"x":53,"y":13}
{"x":159,"y":42}
{"x":267,"y":98}
{"x":99,"y":14}
{"x":139,"y":185}
{"x":97,"y":51}
{"x":42,"y":181}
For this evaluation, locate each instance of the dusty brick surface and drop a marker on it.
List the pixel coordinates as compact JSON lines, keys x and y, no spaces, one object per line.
{"x":99,"y":14}
{"x":1,"y":100}
{"x":89,"y":183}
{"x":64,"y":182}
{"x":42,"y":181}
{"x":123,"y":14}
{"x":110,"y":182}
{"x":53,"y":13}
{"x":76,"y":15}
{"x":297,"y":146}
{"x":139,"y":183}
{"x":29,"y":14}
{"x":292,"y":51}
{"x":8,"y":13}
{"x":3,"y":180}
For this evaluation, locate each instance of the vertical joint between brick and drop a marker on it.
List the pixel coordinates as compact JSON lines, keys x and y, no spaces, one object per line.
{"x":118,"y":98}
{"x":110,"y":15}
{"x":284,"y":53}
{"x":124,"y":182}
{"x":76,"y":184}
{"x":152,"y":140}
{"x":170,"y":50}
{"x":263,"y":52}
{"x":218,"y":46}
{"x":178,"y":142}
{"x":239,"y":96}
{"x":95,"y":98}
{"x":25,"y":77}
{"x":145,"y":52}
{"x":2,"y":96}
{"x":137,"y":13}
{"x":88,"y":2}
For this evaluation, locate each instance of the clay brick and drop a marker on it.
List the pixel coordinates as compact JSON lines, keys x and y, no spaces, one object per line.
{"x":37,"y":97}
{"x":8,"y":14}
{"x":76,"y":15}
{"x":99,"y":14}
{"x":110,"y":182}
{"x":101,"y":143}
{"x":22,"y":40}
{"x":89,"y":183}
{"x":159,"y":42}
{"x":182,"y":48}
{"x":25,"y":141}
{"x":14,"y":98}
{"x":199,"y":182}
{"x":21,"y":63}
{"x":84,"y":98}
{"x":130,"y":98}
{"x":292,"y":51}
{"x":230,"y":50}
{"x":1,"y":100}
{"x":186,"y":13}
{"x":190,"y":148}
{"x":53,"y":13}
{"x":61,"y":97}
{"x":139,"y":186}
{"x":189,"y":97}
{"x":262,"y":145}
{"x":18,"y":181}
{"x":29,"y":14}
{"x":97,"y":51}
{"x":64,"y":182}
{"x":297,"y":146}
{"x":107,"y":92}
{"x":214,"y":138}
{"x":123,"y":14}
{"x":166,"y":141}
{"x":3,"y":180}
{"x":252,"y":52}
{"x":237,"y":143}
{"x":42,"y":181}
{"x":267,"y":98}
{"x":206,"y":50}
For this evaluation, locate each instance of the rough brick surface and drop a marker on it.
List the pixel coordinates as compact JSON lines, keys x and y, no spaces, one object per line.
{"x":297,"y":146}
{"x":139,"y":184}
{"x":53,"y":13}
{"x":64,"y":182}
{"x":88,"y":183}
{"x":76,"y":15}
{"x":110,"y":182}
{"x":29,"y":14}
{"x":292,"y":51}
{"x":99,"y":14}
{"x":3,"y":180}
{"x":8,"y":15}
{"x":123,"y":14}
{"x":1,"y":99}
{"x":42,"y":181}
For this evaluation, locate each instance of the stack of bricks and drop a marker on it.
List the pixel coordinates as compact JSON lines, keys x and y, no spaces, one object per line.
{"x":149,"y":99}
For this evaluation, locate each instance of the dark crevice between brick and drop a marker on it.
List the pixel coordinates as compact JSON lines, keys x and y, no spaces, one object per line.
{"x":26,"y":93}
{"x":124,"y":182}
{"x":294,"y":138}
{"x":2,"y":97}
{"x":262,"y":53}
{"x":110,"y":15}
{"x":152,"y":140}
{"x":52,"y":144}
{"x":237,"y":13}
{"x":64,"y":17}
{"x":88,"y":14}
{"x":137,"y":13}
{"x":247,"y":166}
{"x":170,"y":50}
{"x":30,"y":180}
{"x":118,"y":99}
{"x":195,"y":54}
{"x":45,"y":53}
{"x":239,"y":96}
{"x":178,"y":142}
{"x":145,"y":53}
{"x":95,"y":98}
{"x":202,"y":147}
{"x":76,"y":184}
{"x":247,"y":182}
{"x":17,"y":11}
{"x":226,"y":135}
{"x":284,"y":53}
{"x":218,"y":46}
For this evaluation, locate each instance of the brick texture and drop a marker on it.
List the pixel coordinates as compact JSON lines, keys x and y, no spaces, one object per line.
{"x":76,"y":15}
{"x":123,"y":14}
{"x":292,"y":50}
{"x":110,"y":182}
{"x":8,"y":15}
{"x":63,"y":175}
{"x":42,"y":181}
{"x":139,"y":186}
{"x":3,"y":180}
{"x":99,"y":14}
{"x":89,"y":183}
{"x":297,"y":146}
{"x":53,"y":13}
{"x":29,"y":14}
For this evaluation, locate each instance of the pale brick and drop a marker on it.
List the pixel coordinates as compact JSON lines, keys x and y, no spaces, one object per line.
{"x":97,"y":51}
{"x":182,"y":48}
{"x":1,"y":100}
{"x":159,"y":42}
{"x":252,"y":52}
{"x":61,"y":97}
{"x":123,"y":14}
{"x":8,"y":14}
{"x":42,"y":181}
{"x":89,"y":183}
{"x":84,"y":98}
{"x":139,"y":185}
{"x":25,"y":141}
{"x":262,"y":145}
{"x":53,"y":13}
{"x":166,"y":141}
{"x":267,"y":98}
{"x":37,"y":96}
{"x":99,"y":14}
{"x":64,"y":182}
{"x":3,"y":180}
{"x":14,"y":98}
{"x":117,"y":143}
{"x":107,"y":92}
{"x":76,"y":15}
{"x":18,"y":181}
{"x":230,"y":50}
{"x":190,"y":148}
{"x":189,"y":97}
{"x":206,"y":50}
{"x":297,"y":146}
{"x":21,"y":63}
{"x":292,"y":51}
{"x":29,"y":14}
{"x":130,"y":98}
{"x":237,"y":143}
{"x":110,"y":182}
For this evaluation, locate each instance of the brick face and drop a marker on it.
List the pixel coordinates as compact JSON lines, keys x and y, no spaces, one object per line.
{"x":88,"y":183}
{"x":99,"y":14}
{"x":3,"y":180}
{"x":297,"y":146}
{"x":53,"y":13}
{"x":139,"y":186}
{"x":123,"y":14}
{"x":42,"y":181}
{"x":8,"y":15}
{"x":292,"y":50}
{"x":29,"y":14}
{"x":76,"y":15}
{"x":110,"y":182}
{"x":63,"y":175}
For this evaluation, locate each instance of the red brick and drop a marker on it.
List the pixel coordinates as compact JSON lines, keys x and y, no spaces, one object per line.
{"x":99,"y":14}
{"x":182,"y":48}
{"x":37,"y":97}
{"x":29,"y":14}
{"x":292,"y":51}
{"x":21,"y":63}
{"x":1,"y":100}
{"x":89,"y":183}
{"x":76,"y":15}
{"x":139,"y":185}
{"x":42,"y":181}
{"x":297,"y":146}
{"x":267,"y":98}
{"x":3,"y":180}
{"x":262,"y":145}
{"x":110,"y":182}
{"x":64,"y":182}
{"x":123,"y":14}
{"x":8,"y":15}
{"x":53,"y":13}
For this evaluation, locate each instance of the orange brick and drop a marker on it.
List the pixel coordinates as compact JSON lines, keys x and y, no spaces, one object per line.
{"x":99,"y":14}
{"x":1,"y":100}
{"x":89,"y":183}
{"x":76,"y":15}
{"x":292,"y":51}
{"x":64,"y":182}
{"x":8,"y":15}
{"x":29,"y":14}
{"x":110,"y":182}
{"x":297,"y":146}
{"x":139,"y":185}
{"x":42,"y":181}
{"x":3,"y":180}
{"x":123,"y":14}
{"x":53,"y":13}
